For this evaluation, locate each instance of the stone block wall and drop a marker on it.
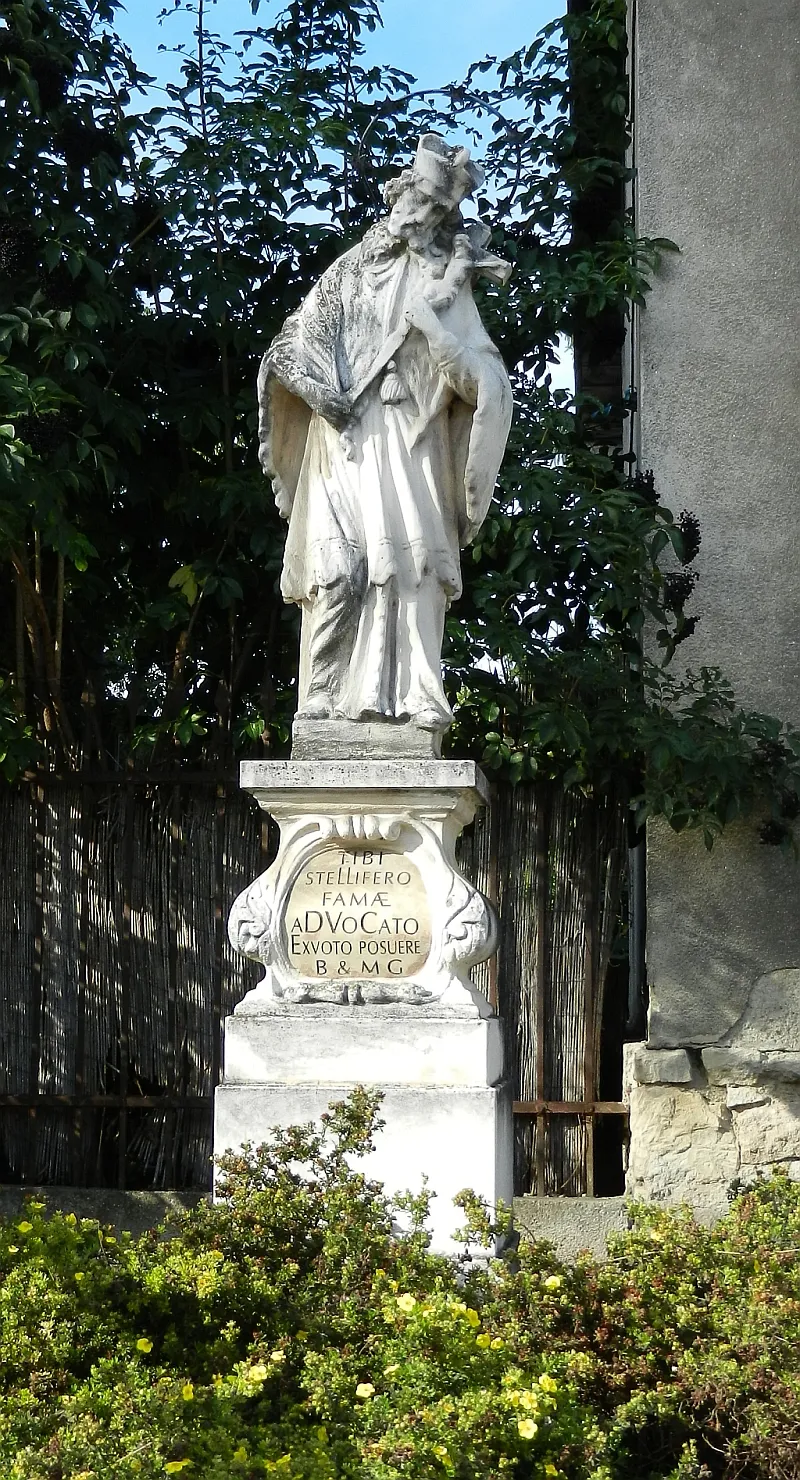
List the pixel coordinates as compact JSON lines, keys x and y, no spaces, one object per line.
{"x":704,"y":1118}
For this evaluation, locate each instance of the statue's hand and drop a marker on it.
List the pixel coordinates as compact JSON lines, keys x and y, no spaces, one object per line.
{"x":420,"y":315}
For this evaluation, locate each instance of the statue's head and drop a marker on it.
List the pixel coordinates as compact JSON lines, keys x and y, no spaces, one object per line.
{"x":427,"y":197}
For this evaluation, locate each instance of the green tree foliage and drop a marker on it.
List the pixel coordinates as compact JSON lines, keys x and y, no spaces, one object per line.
{"x":289,"y":1331}
{"x":149,"y":255}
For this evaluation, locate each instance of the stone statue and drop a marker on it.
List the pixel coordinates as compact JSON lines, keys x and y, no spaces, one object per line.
{"x":384,"y":413}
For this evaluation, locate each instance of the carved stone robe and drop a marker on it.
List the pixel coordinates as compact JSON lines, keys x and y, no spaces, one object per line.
{"x":377,"y":511}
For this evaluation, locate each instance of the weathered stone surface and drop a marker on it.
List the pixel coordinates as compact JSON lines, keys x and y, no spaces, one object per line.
{"x":728,"y":1066}
{"x":319,"y":779}
{"x":737,"y":1066}
{"x":688,"y":1145}
{"x":718,"y":175}
{"x":682,"y":1146}
{"x":771,"y":1018}
{"x":737,"y":1096}
{"x":342,"y":739}
{"x":362,"y":1045}
{"x":384,"y":412}
{"x":780,"y":1067}
{"x":768,"y":1130}
{"x":629,"y":1053}
{"x":365,"y":902}
{"x":662,"y":1066}
{"x":718,"y":925}
{"x":572,"y":1224}
{"x":455,"y":1137}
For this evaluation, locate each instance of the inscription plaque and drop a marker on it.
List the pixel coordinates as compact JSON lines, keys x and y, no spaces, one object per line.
{"x":358,"y":912}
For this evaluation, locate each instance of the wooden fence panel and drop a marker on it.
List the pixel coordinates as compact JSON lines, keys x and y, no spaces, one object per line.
{"x":554,"y":864}
{"x":116,"y":974}
{"x":19,"y":934}
{"x":116,"y":971}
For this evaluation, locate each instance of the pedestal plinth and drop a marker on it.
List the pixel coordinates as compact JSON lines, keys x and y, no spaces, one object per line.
{"x":367,"y":931}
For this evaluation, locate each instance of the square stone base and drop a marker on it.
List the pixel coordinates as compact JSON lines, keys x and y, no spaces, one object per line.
{"x":456,"y":1137}
{"x":383,"y":1045}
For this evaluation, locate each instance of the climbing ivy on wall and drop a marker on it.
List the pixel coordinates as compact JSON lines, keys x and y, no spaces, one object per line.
{"x":149,"y":254}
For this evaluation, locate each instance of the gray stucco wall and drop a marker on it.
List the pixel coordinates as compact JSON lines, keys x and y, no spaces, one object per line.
{"x":717,"y":98}
{"x":717,"y":360}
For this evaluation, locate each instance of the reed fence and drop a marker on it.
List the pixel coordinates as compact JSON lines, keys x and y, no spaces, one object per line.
{"x":116,"y":973}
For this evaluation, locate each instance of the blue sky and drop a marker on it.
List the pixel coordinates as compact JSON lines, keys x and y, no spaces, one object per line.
{"x":434,"y":39}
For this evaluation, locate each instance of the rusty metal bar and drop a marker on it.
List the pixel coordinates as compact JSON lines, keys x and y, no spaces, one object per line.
{"x":541,"y":891}
{"x":492,"y":891}
{"x":83,"y":984}
{"x":589,"y":985}
{"x":567,"y":1107}
{"x":175,"y":854}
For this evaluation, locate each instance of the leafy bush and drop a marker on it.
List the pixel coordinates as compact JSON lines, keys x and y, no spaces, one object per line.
{"x":290,"y":1330}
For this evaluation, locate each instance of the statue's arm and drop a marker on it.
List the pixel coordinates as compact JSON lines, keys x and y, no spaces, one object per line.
{"x":478,"y":377}
{"x":459,"y":364}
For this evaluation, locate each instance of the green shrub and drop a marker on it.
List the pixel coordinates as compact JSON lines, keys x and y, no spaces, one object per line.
{"x":290,"y":1330}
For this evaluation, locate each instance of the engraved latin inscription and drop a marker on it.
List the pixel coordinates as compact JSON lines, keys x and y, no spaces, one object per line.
{"x":358,"y":912}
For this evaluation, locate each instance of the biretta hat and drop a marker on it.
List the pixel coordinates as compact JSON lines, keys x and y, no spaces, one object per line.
{"x":444,"y":170}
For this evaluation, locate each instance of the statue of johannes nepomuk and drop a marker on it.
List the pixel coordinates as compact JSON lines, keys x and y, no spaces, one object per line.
{"x":384,"y":413}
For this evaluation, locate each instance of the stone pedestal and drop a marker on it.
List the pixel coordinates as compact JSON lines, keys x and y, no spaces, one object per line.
{"x":365,"y":902}
{"x":367,"y":931}
{"x":447,"y":1112}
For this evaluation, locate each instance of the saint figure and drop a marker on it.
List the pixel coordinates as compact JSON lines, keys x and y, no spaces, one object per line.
{"x":384,"y":413}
